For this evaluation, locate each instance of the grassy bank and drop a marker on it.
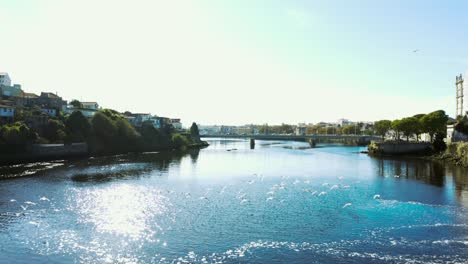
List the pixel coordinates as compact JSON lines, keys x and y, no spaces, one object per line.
{"x":456,"y":153}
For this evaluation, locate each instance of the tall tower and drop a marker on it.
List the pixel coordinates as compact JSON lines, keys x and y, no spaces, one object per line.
{"x":460,"y":91}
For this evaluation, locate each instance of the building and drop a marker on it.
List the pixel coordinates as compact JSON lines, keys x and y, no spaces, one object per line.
{"x":8,"y":90}
{"x":49,"y":111}
{"x":209,"y":130}
{"x":343,"y":122}
{"x":87,"y":109}
{"x":7,"y":112}
{"x":5,"y":79}
{"x":26,"y":99}
{"x":49,"y":100}
{"x":69,"y":109}
{"x":90,"y":105}
{"x":176,"y":123}
{"x":301,"y":129}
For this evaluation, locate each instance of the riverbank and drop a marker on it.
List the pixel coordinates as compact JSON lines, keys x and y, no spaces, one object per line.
{"x":398,"y":148}
{"x":456,"y":153}
{"x":50,"y":152}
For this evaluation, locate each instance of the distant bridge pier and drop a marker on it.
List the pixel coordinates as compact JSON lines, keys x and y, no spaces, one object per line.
{"x":312,"y":142}
{"x":252,"y":143}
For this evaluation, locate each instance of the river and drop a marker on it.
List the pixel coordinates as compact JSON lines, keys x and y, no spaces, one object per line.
{"x":281,"y":202}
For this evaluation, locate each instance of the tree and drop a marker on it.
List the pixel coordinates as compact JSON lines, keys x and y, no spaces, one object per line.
{"x":54,"y":131}
{"x":194,"y":130}
{"x":409,"y":126}
{"x":179,"y":141}
{"x":420,"y":128}
{"x":76,"y":103}
{"x":434,"y":123}
{"x":113,"y":133}
{"x":396,"y":125}
{"x":348,"y":129}
{"x":78,"y":127}
{"x":13,"y":137}
{"x":382,"y":127}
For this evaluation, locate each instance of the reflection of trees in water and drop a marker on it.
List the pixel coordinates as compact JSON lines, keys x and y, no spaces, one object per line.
{"x":430,"y":172}
{"x":460,"y":181}
{"x":194,"y":155}
{"x":422,"y":170}
{"x":140,"y":164}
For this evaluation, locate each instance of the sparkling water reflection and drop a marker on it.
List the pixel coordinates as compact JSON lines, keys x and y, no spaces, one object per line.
{"x":281,"y":202}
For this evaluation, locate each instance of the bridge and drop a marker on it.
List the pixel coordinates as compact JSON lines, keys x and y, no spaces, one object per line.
{"x":313,"y":139}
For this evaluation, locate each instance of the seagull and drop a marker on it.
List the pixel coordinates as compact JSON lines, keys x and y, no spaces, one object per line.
{"x":346,"y":205}
{"x":416,"y":50}
{"x":377,"y":196}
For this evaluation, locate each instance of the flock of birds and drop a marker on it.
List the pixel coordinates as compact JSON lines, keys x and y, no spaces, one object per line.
{"x":28,"y":204}
{"x":243,"y":198}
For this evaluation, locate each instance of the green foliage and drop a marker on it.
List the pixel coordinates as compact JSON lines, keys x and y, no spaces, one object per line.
{"x":76,"y":103}
{"x":282,"y":129}
{"x":409,"y":126}
{"x":179,"y":140}
{"x":382,"y":127}
{"x":462,"y":125}
{"x":112,"y":133}
{"x":14,"y":137}
{"x":54,"y":131}
{"x":434,"y":122}
{"x":396,"y":126}
{"x":349,"y":129}
{"x":194,"y":130}
{"x":78,"y":127}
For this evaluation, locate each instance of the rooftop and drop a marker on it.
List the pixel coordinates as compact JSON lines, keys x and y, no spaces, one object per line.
{"x":49,"y":95}
{"x":30,"y":95}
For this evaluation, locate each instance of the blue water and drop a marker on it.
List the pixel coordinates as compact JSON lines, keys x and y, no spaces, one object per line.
{"x":281,"y":202}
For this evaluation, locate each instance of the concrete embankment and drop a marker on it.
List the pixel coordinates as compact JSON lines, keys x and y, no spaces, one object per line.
{"x":43,"y":152}
{"x":399,"y":148}
{"x":47,"y":152}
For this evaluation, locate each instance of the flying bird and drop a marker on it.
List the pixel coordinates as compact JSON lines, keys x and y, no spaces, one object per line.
{"x":416,"y":50}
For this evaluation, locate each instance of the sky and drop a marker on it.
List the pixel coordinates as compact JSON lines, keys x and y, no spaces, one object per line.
{"x":241,"y":62}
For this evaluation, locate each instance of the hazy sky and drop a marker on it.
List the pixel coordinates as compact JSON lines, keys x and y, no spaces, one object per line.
{"x":237,"y":62}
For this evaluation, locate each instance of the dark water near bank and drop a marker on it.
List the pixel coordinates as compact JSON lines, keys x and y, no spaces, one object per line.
{"x":279,"y":203}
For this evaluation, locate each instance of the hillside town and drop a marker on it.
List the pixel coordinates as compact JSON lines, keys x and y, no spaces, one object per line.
{"x":13,"y":99}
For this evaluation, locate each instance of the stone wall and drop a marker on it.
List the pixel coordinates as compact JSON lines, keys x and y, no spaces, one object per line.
{"x":399,"y":148}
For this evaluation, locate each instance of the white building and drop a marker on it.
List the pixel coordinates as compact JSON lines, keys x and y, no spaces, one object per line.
{"x":90,"y":105}
{"x":176,"y":123}
{"x":5,"y":79}
{"x":343,"y":122}
{"x":69,"y":109}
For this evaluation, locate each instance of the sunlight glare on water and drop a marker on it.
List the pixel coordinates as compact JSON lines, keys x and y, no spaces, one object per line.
{"x":281,"y":202}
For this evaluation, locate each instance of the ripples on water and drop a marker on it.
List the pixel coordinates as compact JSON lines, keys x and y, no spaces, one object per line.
{"x":279,"y":203}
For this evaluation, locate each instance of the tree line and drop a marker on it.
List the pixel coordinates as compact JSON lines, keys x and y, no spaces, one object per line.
{"x":107,"y":131}
{"x":434,"y":124}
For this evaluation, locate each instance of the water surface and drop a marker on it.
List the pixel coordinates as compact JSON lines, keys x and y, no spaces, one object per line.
{"x":281,"y":202}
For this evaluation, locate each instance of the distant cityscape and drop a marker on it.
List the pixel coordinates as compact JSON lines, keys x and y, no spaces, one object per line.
{"x":13,"y":97}
{"x":341,"y":126}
